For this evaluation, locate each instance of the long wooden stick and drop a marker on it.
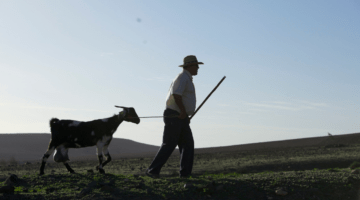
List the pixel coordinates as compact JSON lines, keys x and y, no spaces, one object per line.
{"x":208,"y":96}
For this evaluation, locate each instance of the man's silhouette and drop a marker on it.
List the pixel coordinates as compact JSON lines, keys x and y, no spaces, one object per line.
{"x":180,"y":102}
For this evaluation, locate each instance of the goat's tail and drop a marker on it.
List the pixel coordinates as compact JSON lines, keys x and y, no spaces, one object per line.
{"x":53,"y":121}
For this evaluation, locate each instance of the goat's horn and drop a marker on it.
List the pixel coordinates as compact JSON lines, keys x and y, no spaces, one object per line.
{"x":120,"y":107}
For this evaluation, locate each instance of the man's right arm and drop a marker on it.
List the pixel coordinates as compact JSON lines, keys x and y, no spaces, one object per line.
{"x":179,"y":103}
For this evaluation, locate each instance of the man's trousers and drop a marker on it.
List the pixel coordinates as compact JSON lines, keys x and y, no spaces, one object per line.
{"x":177,"y":132}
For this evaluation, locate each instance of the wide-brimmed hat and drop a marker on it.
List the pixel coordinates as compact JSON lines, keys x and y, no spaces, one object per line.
{"x":190,"y":60}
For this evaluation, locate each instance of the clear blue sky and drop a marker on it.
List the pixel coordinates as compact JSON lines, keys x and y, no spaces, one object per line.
{"x":292,"y":67}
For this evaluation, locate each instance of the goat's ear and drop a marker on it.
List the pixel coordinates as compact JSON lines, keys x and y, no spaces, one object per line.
{"x":122,"y":113}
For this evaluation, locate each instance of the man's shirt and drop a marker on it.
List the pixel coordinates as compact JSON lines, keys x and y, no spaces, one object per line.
{"x":183,"y":86}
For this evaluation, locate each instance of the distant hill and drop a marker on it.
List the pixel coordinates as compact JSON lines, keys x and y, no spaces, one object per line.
{"x":31,"y":147}
{"x":352,"y":138}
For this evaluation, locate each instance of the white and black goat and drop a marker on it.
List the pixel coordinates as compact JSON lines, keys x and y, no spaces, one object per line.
{"x":67,"y":134}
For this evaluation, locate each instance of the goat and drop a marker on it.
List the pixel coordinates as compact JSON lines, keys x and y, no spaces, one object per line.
{"x":67,"y":134}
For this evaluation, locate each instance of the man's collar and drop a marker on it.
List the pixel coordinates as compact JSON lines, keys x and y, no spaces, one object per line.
{"x":188,"y":73}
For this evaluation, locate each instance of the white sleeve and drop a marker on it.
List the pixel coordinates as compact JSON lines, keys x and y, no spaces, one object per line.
{"x":179,"y":85}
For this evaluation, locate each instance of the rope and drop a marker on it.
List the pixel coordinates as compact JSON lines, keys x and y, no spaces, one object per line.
{"x":171,"y":116}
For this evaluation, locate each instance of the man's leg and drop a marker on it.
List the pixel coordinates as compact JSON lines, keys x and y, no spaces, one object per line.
{"x":171,"y":136}
{"x":186,"y":148}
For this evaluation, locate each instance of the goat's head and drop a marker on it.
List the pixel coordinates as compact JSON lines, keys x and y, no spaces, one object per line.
{"x":129,"y":114}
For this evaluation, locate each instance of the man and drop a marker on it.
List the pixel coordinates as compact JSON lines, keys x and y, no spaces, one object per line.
{"x":180,"y":102}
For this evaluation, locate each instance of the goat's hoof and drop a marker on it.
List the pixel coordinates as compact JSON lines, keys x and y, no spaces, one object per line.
{"x":97,"y":168}
{"x":102,"y":171}
{"x":41,"y":173}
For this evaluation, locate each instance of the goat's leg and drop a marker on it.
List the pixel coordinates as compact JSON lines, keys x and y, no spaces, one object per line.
{"x":100,"y":157}
{"x":69,"y":168}
{"x":45,"y":157}
{"x":107,"y":155}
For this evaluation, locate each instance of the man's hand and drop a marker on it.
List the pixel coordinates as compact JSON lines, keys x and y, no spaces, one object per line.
{"x":179,"y":103}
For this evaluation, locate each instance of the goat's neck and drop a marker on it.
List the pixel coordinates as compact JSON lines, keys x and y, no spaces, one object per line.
{"x":118,"y":120}
{"x":115,"y":121}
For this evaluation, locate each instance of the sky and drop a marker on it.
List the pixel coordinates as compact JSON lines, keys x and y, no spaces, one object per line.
{"x":292,"y":67}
